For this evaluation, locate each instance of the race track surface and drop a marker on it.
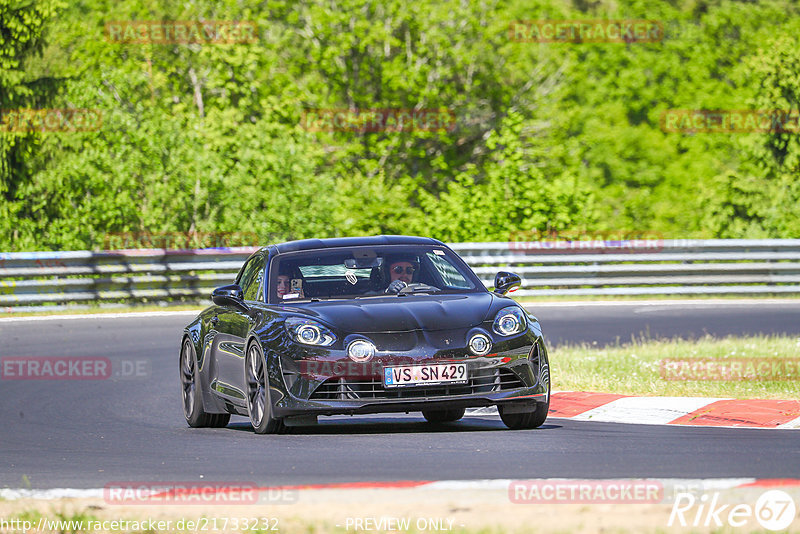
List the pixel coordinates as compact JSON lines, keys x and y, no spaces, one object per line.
{"x":611,"y":323}
{"x":86,"y":434}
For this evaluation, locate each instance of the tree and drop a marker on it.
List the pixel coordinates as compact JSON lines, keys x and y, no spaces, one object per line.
{"x":22,"y":85}
{"x":776,"y":155}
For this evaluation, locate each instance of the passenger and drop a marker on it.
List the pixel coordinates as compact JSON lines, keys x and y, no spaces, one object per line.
{"x":290,"y":284}
{"x":283,"y":285}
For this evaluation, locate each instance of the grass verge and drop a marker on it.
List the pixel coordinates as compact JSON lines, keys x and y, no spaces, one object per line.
{"x":637,"y":368}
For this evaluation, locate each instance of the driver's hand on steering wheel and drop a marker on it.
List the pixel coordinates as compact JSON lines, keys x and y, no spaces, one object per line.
{"x":396,"y":286}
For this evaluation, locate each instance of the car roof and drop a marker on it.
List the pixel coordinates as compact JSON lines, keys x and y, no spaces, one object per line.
{"x":335,"y":242}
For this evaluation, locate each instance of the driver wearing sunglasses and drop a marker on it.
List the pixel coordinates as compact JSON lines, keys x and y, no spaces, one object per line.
{"x":401,"y":274}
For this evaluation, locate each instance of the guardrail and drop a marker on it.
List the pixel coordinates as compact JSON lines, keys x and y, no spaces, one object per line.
{"x":631,"y":267}
{"x":643,"y":267}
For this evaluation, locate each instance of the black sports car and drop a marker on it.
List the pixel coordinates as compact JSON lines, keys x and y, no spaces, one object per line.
{"x":362,"y":325}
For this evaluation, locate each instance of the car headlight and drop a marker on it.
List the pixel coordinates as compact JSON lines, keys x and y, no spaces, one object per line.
{"x":509,"y":321}
{"x":309,"y":332}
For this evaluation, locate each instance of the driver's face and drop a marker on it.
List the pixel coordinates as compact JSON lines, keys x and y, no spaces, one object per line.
{"x":401,"y":270}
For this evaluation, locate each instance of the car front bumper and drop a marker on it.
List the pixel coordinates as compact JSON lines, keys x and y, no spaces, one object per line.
{"x":324,"y":383}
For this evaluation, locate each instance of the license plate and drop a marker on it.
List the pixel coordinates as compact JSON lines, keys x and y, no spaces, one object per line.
{"x":418,"y":375}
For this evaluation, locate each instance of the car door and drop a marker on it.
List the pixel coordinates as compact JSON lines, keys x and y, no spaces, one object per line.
{"x":233,"y":326}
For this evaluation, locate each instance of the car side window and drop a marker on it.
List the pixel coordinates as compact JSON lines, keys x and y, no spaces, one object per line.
{"x":255,"y":291}
{"x":249,"y":278}
{"x":241,"y":273}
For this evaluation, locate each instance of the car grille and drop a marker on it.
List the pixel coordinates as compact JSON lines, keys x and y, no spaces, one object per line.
{"x":343,"y":388}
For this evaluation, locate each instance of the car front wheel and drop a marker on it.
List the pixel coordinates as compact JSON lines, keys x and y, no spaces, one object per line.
{"x":523,"y":420}
{"x":259,"y":406}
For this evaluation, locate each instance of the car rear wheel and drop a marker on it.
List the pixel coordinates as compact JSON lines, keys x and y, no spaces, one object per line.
{"x":193,"y":410}
{"x":443,"y":416}
{"x":259,"y":406}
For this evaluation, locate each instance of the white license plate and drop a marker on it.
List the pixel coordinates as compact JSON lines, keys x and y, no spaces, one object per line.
{"x":417,"y":375}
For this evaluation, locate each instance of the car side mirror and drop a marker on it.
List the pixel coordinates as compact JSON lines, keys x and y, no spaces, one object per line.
{"x":505,"y":282}
{"x":230,"y":296}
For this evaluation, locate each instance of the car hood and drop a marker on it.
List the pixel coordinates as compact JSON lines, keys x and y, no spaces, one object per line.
{"x":403,"y":314}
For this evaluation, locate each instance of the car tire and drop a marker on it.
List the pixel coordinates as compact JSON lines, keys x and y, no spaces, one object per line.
{"x":259,"y":405}
{"x":193,"y":410}
{"x":443,"y":416}
{"x":526,"y":420}
{"x":219,"y":420}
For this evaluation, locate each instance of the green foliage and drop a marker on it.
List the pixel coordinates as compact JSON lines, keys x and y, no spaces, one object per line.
{"x":776,"y":156}
{"x":508,"y":193}
{"x":21,"y":29}
{"x":761,"y":197}
{"x":23,"y":84}
{"x":553,"y":136}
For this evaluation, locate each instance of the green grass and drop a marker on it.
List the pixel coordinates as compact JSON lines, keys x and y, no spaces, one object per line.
{"x":634,"y":368}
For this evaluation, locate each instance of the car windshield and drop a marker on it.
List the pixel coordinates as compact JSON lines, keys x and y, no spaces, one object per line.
{"x":361,"y":272}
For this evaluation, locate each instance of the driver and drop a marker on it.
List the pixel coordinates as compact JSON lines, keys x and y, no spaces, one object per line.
{"x":401,"y":273}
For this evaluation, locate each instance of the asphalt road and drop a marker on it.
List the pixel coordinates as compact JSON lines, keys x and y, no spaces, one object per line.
{"x":85,"y":434}
{"x":604,"y":324}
